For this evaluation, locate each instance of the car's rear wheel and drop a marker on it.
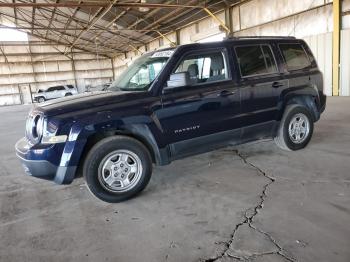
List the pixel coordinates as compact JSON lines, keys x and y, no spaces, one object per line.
{"x":117,"y":168}
{"x":296,"y":128}
{"x":68,"y":94}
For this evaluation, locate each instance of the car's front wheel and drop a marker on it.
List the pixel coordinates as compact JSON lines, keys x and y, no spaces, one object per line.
{"x":117,"y":168}
{"x":41,"y":99}
{"x":296,"y":128}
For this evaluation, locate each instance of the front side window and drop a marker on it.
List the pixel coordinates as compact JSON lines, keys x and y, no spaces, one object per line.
{"x":140,"y":75}
{"x":255,"y":60}
{"x":204,"y":68}
{"x":60,"y":88}
{"x":295,"y":57}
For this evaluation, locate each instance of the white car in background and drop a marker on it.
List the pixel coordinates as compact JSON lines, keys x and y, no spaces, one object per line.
{"x":54,"y":92}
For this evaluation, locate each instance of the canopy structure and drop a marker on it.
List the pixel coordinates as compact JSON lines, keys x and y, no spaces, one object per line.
{"x":113,"y":26}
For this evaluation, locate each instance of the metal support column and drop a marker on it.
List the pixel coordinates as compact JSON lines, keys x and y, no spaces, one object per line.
{"x":113,"y":72}
{"x":228,"y":21}
{"x":167,"y":38}
{"x":178,"y":39}
{"x":74,"y":71}
{"x":336,"y":45}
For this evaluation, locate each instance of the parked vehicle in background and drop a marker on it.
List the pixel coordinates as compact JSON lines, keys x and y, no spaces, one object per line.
{"x":102,"y":87}
{"x":175,"y":103}
{"x":55,"y":92}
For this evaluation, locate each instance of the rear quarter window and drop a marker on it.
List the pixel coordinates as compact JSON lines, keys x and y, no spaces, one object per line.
{"x":294,"y":56}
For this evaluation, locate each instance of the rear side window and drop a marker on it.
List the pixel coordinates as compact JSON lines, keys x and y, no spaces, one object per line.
{"x":295,"y":56}
{"x":70,"y":86}
{"x":255,"y":60}
{"x":60,"y":88}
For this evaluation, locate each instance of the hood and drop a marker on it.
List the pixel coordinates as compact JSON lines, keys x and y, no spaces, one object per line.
{"x":89,"y":100}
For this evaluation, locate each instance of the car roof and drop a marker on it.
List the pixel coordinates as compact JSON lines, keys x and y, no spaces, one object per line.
{"x":234,"y":39}
{"x":239,"y":39}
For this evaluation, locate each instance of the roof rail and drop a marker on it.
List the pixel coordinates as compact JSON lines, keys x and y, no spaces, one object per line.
{"x":260,"y":37}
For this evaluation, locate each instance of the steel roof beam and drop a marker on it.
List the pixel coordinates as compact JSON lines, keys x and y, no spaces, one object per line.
{"x":65,"y":33}
{"x":78,"y":20}
{"x":51,"y":19}
{"x":95,"y":4}
{"x":92,"y":29}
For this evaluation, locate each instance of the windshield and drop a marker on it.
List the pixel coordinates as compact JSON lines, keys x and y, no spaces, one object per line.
{"x":140,"y":75}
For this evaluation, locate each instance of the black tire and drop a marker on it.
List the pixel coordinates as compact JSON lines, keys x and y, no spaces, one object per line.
{"x":283,"y":138}
{"x":68,"y":94}
{"x":95,"y":157}
{"x":41,"y":99}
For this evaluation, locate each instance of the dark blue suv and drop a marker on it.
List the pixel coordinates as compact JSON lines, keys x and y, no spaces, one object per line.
{"x":175,"y":103}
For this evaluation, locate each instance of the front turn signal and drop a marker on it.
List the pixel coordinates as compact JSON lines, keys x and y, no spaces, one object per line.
{"x":53,"y":139}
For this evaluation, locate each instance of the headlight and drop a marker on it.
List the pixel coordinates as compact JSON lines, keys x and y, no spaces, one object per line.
{"x":40,"y":127}
{"x":34,"y":128}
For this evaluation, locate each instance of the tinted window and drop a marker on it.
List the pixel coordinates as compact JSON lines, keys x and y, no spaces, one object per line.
{"x":52,"y":88}
{"x":70,"y":86}
{"x":269,"y":60}
{"x":60,"y":88}
{"x":295,"y":57}
{"x":208,"y":67}
{"x":255,"y":60}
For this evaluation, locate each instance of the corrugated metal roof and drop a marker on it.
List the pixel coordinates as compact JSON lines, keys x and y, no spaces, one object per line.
{"x":112,"y":27}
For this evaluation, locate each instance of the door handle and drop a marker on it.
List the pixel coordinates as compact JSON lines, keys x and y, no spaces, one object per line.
{"x":277,"y":84}
{"x":226,"y":93}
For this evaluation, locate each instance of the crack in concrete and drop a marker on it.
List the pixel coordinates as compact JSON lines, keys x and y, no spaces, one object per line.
{"x":249,"y":215}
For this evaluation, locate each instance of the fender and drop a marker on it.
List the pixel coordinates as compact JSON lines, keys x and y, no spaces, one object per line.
{"x":85,"y":135}
{"x":307,"y":96}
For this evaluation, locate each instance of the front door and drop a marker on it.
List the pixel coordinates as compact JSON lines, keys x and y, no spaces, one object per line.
{"x":201,"y":115}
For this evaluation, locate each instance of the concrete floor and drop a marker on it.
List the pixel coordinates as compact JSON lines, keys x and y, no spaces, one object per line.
{"x":252,"y":202}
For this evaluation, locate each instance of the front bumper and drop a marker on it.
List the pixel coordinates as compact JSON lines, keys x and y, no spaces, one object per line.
{"x":35,"y":161}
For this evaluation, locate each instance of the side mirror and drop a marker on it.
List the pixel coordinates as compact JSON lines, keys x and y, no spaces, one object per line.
{"x":177,"y":80}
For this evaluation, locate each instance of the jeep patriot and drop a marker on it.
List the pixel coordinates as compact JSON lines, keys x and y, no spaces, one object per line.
{"x":175,"y":103}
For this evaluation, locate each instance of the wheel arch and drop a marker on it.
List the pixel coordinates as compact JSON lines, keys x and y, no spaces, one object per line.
{"x":308,"y":100}
{"x":140,"y":132}
{"x":41,"y":96}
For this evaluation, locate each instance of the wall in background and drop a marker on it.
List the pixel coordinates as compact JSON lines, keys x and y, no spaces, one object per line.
{"x":40,"y":64}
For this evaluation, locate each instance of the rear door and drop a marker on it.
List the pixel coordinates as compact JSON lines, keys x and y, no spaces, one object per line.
{"x":61,"y":92}
{"x":261,"y":84}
